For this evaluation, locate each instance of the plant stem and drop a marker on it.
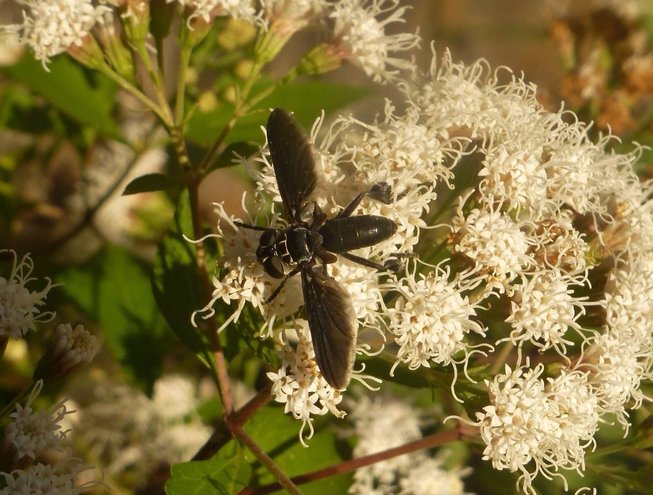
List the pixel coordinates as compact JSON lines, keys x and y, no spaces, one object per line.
{"x":501,"y":359}
{"x":284,"y":481}
{"x":184,"y":60}
{"x":222,"y":433}
{"x":457,"y":433}
{"x":193,"y":182}
{"x":161,"y":112}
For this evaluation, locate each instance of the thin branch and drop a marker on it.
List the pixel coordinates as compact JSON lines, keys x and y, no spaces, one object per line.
{"x":284,"y":481}
{"x":457,"y":433}
{"x":222,"y":433}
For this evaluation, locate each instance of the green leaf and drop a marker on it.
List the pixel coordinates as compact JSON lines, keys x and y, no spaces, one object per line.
{"x":176,"y":283}
{"x":278,"y":435}
{"x":114,"y":290}
{"x":305,"y":99}
{"x":151,"y":182}
{"x":225,"y":474}
{"x":67,"y":87}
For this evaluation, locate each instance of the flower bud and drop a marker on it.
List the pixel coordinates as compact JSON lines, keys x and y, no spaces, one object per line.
{"x":70,"y":347}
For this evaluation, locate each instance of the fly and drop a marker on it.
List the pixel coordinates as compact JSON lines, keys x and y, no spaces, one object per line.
{"x":284,"y":253}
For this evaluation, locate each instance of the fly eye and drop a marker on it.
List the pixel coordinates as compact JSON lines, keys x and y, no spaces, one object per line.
{"x":274,"y":267}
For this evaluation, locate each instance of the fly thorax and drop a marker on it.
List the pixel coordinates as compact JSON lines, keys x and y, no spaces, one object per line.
{"x":301,"y":244}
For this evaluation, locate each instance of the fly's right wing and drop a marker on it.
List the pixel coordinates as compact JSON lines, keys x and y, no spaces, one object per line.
{"x":292,"y":159}
{"x":333,"y":325}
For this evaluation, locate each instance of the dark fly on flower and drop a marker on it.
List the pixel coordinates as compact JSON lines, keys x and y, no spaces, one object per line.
{"x":295,"y":249}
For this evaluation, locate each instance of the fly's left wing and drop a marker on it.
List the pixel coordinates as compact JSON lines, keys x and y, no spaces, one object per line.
{"x":292,"y":158}
{"x":333,"y":325}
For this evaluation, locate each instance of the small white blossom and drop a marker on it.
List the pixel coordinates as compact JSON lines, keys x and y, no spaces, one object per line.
{"x":289,"y":16}
{"x":360,"y":36}
{"x":126,"y":429}
{"x":543,"y":309}
{"x":430,"y":319}
{"x":557,"y":245}
{"x":43,"y":479}
{"x":381,"y":423}
{"x":70,"y":348}
{"x":207,"y":9}
{"x":493,"y":242}
{"x":33,"y":433}
{"x":300,"y":386}
{"x":547,"y":423}
{"x":429,"y":477}
{"x":52,"y":27}
{"x":617,"y":364}
{"x":243,"y":280}
{"x":19,"y":306}
{"x":628,"y":293}
{"x":514,"y":175}
{"x":174,"y":397}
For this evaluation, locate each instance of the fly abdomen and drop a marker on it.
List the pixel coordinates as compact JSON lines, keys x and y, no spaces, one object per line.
{"x":344,"y":234}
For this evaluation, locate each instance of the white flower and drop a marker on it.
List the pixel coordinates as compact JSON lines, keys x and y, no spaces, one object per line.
{"x":174,"y":397}
{"x":543,"y":309}
{"x":288,"y":16}
{"x":19,"y":306}
{"x":243,"y":280}
{"x":547,"y":423}
{"x":556,"y":244}
{"x":42,"y":479}
{"x":493,"y":242}
{"x":628,"y":293}
{"x":431,"y":318}
{"x":514,"y":175}
{"x":617,"y":364}
{"x":70,"y":348}
{"x":129,"y":430}
{"x":300,"y":386}
{"x":427,"y":476}
{"x":180,"y":442}
{"x":207,"y":9}
{"x":361,"y":38}
{"x":381,"y":423}
{"x":35,"y":433}
{"x":53,"y":26}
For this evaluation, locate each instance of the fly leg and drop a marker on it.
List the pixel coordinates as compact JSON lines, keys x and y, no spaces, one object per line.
{"x":291,"y":273}
{"x":253,"y":227}
{"x":393,"y":264}
{"x":380,"y":192}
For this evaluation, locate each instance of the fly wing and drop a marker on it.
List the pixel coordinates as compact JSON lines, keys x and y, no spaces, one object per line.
{"x":333,"y":326}
{"x":292,"y":158}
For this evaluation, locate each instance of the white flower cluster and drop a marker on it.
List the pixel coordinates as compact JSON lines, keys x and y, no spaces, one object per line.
{"x":385,"y":422}
{"x":299,"y":385}
{"x":549,"y":421}
{"x":207,"y":9}
{"x":358,"y":28}
{"x":127,"y":429}
{"x":550,"y":209}
{"x":547,"y":248}
{"x":42,"y":479}
{"x":32,"y":436}
{"x":19,"y":306}
{"x":51,"y":27}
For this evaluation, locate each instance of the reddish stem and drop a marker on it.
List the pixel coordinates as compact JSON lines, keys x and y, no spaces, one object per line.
{"x":457,"y":433}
